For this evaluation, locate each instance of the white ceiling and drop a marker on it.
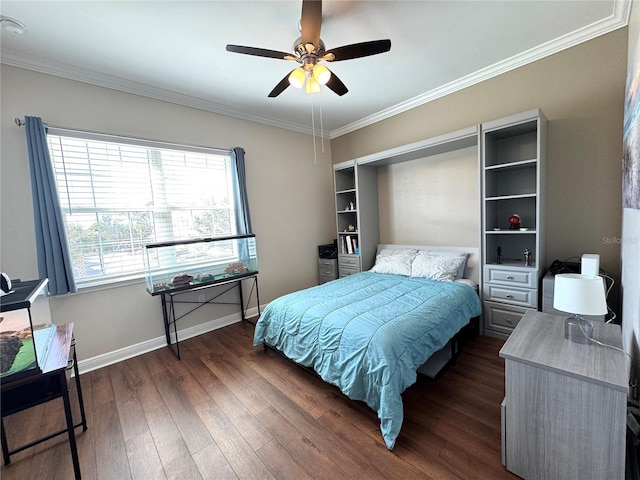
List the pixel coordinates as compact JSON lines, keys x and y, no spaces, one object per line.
{"x":175,"y":50}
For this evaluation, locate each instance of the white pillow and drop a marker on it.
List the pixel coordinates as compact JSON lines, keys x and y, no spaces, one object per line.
{"x":450,"y":253}
{"x":396,"y":263}
{"x":436,"y":267}
{"x":385,"y":252}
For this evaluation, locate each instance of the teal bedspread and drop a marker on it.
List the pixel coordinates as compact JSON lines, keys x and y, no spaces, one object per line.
{"x":367,"y":334}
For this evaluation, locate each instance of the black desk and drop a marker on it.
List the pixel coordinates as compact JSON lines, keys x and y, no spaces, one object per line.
{"x":50,"y":380}
{"x":170,"y":297}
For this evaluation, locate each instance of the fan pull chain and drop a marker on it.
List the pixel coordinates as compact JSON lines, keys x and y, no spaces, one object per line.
{"x":321,"y":129}
{"x":313,"y":130}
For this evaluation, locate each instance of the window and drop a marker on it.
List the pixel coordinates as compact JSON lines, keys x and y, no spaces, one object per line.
{"x":118,"y":194}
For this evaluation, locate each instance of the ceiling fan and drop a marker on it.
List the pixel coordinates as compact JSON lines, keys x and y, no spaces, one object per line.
{"x":309,"y":50}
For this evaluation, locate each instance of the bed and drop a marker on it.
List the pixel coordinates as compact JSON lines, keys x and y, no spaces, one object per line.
{"x":368,"y":333}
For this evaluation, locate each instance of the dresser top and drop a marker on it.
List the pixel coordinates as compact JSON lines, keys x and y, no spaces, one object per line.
{"x":538,"y":340}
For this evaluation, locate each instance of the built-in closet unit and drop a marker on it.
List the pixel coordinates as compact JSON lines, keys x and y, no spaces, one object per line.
{"x":356,"y":195}
{"x":513,"y":183}
{"x":512,"y":165}
{"x":356,"y":188}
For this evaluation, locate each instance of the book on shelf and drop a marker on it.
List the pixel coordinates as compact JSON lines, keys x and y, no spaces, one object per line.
{"x":349,"y":244}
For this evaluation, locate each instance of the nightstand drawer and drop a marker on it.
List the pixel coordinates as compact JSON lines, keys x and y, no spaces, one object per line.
{"x":517,"y":277}
{"x":327,"y":267}
{"x":348,"y":264}
{"x":345,"y":272}
{"x":352,"y":261}
{"x":501,"y":317}
{"x":515,"y":296}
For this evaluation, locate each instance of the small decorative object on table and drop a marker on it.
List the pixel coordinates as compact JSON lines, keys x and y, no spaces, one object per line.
{"x":181,"y":280}
{"x":5,"y":283}
{"x":514,"y":221}
{"x":236,"y":268}
{"x":160,"y":286}
{"x":351,"y":228}
{"x":527,"y":257}
{"x":205,"y":277}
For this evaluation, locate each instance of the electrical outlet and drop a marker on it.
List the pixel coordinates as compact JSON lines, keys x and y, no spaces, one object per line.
{"x":201,"y":298}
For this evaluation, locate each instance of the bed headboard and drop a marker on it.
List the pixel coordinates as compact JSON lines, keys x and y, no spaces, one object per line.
{"x":471,"y":271}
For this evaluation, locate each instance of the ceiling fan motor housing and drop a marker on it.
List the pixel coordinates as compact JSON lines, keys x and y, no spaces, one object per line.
{"x":308,"y":53}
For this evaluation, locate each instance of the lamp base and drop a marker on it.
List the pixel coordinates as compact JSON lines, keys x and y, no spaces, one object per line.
{"x":578,"y":330}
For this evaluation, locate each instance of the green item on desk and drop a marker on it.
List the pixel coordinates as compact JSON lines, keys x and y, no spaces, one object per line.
{"x":24,"y":360}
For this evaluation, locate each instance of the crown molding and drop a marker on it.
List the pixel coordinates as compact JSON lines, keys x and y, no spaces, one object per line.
{"x":38,"y":64}
{"x":618,"y":19}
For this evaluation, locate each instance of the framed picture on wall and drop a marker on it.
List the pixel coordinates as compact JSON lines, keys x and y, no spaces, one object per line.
{"x":631,"y":134}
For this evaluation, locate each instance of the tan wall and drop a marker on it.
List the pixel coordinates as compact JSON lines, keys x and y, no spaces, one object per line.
{"x":581,"y":91}
{"x":416,"y":205}
{"x":290,"y":197}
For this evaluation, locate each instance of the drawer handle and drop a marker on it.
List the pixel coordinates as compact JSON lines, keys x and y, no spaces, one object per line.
{"x":509,"y":296}
{"x":509,"y":277}
{"x":508,"y":320}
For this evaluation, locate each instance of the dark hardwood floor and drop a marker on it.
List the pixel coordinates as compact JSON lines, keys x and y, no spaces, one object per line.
{"x":230,"y":410}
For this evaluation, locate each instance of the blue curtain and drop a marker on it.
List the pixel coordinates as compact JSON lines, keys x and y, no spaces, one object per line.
{"x":54,"y":258}
{"x":243,"y":219}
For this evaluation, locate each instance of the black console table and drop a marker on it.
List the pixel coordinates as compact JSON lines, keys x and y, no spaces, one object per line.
{"x":171,"y":297}
{"x":52,"y":383}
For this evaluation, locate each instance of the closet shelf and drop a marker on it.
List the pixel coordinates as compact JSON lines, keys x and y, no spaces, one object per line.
{"x":506,"y":231}
{"x":513,"y":165}
{"x":511,"y":197}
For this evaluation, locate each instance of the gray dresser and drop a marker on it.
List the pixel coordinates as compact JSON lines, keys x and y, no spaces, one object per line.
{"x":327,"y":269}
{"x":565,"y":406}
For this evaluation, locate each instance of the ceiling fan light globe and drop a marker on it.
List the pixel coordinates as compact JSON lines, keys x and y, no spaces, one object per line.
{"x":321,"y":73}
{"x":312,"y":85}
{"x":297,"y":77}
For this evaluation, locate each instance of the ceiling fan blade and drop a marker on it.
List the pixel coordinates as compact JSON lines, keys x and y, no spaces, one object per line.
{"x":358,"y":50}
{"x":260,"y":52}
{"x":311,"y":21}
{"x":336,"y":85}
{"x":280,"y":87}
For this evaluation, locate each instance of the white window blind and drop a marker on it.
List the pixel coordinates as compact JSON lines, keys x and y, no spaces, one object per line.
{"x":118,"y":194}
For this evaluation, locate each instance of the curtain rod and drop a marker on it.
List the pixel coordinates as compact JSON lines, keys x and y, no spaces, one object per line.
{"x":221,"y":151}
{"x":21,"y":123}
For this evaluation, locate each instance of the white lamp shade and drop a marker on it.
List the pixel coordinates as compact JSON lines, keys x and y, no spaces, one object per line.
{"x":579,"y":294}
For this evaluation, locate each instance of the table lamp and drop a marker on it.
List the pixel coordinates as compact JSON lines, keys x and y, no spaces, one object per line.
{"x":579,"y":295}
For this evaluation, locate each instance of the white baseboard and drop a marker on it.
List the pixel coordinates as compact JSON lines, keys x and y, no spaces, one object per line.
{"x":121,"y":354}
